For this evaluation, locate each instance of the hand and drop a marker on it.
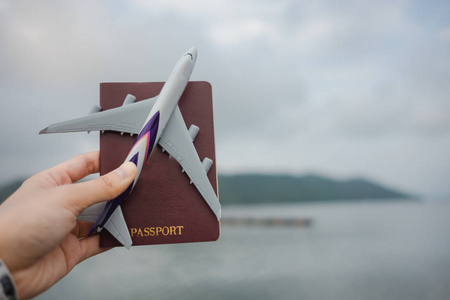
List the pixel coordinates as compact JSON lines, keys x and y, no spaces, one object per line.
{"x":41,"y":239}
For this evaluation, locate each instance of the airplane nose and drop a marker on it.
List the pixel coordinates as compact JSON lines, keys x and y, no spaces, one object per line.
{"x":192,"y":52}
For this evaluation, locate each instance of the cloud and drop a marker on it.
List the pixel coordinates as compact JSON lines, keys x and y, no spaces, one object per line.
{"x":338,"y":87}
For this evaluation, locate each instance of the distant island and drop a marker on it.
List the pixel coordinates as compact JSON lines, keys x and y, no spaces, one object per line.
{"x":261,"y":188}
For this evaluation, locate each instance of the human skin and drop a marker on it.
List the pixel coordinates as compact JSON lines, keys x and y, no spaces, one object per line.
{"x":41,"y":239}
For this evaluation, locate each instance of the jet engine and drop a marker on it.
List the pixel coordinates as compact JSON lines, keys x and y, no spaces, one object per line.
{"x":129,"y":99}
{"x":95,"y":109}
{"x":193,"y":131}
{"x":207,"y":163}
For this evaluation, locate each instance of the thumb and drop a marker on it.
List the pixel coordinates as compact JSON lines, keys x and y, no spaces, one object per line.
{"x":80,"y":196}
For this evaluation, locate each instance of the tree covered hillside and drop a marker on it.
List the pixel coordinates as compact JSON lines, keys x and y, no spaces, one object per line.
{"x":258,"y":188}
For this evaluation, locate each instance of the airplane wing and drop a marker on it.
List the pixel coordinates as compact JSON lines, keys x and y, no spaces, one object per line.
{"x":115,"y":225}
{"x":178,"y":143}
{"x":127,"y":118}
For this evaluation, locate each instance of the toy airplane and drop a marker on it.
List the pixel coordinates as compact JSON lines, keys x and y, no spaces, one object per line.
{"x":156,"y":120}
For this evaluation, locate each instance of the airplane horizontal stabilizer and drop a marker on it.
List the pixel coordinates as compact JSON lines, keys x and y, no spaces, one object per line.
{"x":118,"y":228}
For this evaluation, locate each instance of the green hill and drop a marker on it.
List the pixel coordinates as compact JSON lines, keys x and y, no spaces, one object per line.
{"x":259,"y":188}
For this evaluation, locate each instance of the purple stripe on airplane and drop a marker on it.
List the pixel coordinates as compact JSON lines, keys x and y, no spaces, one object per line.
{"x":152,"y":127}
{"x":134,"y":159}
{"x":111,"y":205}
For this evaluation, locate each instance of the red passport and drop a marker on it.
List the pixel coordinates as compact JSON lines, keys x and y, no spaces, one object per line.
{"x":163,"y":208}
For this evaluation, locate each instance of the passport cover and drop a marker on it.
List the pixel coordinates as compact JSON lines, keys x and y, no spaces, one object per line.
{"x":163,"y":208}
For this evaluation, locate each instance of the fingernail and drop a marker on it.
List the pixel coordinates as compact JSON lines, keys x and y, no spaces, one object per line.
{"x":125,"y":169}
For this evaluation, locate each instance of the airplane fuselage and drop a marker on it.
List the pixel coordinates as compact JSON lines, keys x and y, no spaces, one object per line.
{"x":153,"y":127}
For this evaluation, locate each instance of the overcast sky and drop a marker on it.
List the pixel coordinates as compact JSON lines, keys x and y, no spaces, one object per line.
{"x":340,"y":88}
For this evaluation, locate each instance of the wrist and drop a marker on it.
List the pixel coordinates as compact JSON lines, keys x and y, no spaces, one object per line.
{"x":7,"y":285}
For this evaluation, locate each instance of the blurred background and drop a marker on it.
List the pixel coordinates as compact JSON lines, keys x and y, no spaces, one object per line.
{"x":325,"y":111}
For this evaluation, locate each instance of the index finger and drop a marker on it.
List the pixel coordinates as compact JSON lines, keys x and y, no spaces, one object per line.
{"x":75,"y":168}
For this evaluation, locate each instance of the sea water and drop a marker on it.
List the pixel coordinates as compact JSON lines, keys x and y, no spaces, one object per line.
{"x":352,"y":250}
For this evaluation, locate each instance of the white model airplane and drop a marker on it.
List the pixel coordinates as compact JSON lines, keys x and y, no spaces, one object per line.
{"x":156,"y":120}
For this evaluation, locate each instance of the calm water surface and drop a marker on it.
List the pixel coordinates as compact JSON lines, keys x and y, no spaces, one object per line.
{"x":387,"y":250}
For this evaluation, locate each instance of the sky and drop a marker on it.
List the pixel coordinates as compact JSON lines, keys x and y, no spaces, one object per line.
{"x":338,"y":88}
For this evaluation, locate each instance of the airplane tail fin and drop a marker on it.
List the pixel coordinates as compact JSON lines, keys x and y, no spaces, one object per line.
{"x":118,"y":228}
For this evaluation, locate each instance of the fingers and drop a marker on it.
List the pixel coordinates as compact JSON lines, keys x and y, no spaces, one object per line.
{"x":67,"y":172}
{"x":82,"y":195}
{"x":90,"y":247}
{"x":79,"y":167}
{"x":82,"y":229}
{"x":75,"y":251}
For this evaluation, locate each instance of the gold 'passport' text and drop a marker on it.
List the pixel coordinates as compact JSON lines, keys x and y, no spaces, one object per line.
{"x":156,"y":231}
